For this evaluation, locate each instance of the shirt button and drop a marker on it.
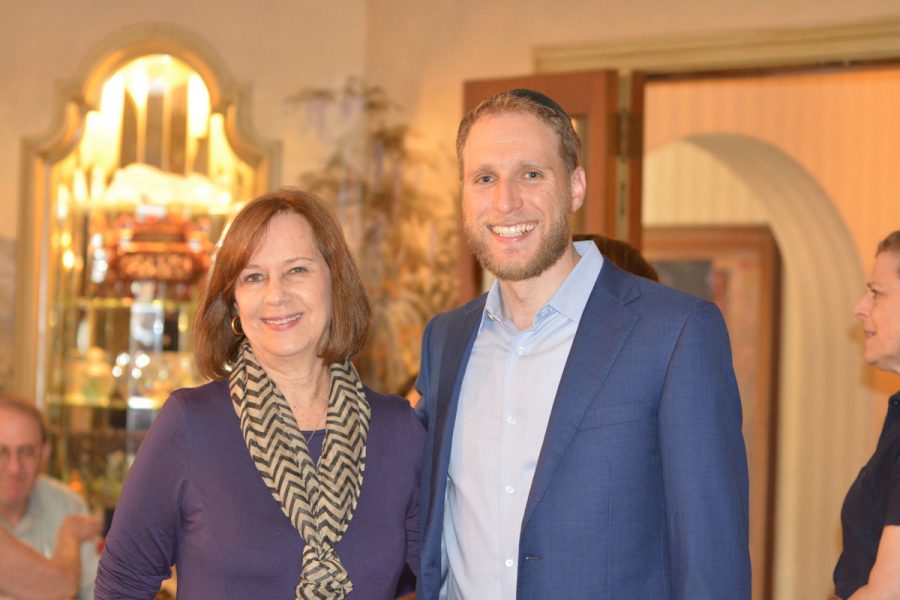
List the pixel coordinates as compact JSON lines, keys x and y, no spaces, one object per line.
{"x":520,"y":351}
{"x":508,"y":562}
{"x":509,"y":489}
{"x":511,"y":420}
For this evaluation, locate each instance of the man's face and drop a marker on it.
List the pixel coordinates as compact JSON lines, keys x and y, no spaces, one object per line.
{"x":22,"y":457}
{"x":879,"y":311}
{"x":517,"y":195}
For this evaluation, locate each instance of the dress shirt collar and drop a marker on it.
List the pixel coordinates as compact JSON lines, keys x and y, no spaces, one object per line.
{"x":569,"y":300}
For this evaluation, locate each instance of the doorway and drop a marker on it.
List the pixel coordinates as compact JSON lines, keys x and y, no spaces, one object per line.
{"x":806,"y":152}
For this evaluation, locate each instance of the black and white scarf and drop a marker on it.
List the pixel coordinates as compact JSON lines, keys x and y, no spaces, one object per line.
{"x":318,"y":499}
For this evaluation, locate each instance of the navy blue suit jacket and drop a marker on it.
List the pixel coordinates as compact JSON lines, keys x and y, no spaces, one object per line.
{"x":641,"y":489}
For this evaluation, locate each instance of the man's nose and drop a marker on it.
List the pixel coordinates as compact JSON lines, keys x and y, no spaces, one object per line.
{"x":14,"y":463}
{"x":506,"y":197}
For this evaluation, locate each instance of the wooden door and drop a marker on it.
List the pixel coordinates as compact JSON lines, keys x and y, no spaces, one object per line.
{"x":607,"y":110}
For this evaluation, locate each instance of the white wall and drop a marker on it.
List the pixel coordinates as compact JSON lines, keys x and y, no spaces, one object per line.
{"x":423,"y":51}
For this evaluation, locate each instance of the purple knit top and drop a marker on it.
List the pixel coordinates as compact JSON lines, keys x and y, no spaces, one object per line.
{"x":194,"y":499}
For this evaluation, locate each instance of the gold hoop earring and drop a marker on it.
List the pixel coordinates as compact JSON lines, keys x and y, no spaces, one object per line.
{"x":236,"y":326}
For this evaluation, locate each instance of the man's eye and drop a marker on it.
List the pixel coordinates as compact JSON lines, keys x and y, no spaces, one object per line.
{"x":486,"y":179}
{"x":532,"y":175}
{"x":23,"y":453}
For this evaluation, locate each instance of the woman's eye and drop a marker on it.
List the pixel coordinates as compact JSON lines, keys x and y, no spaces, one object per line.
{"x":298,"y":270}
{"x":253,"y":277}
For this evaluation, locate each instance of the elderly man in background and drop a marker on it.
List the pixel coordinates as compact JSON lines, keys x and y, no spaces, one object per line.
{"x":34,"y":506}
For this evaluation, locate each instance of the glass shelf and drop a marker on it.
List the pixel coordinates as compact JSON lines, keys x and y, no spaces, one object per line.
{"x":124,"y":303}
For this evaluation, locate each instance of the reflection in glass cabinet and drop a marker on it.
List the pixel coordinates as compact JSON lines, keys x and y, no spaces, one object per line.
{"x":137,"y":206}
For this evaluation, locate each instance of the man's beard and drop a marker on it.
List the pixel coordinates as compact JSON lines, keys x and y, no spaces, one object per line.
{"x":557,"y":238}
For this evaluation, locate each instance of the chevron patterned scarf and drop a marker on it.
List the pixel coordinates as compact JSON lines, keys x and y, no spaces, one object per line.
{"x":318,"y":499}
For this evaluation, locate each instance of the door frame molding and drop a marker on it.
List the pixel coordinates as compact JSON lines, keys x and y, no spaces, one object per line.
{"x":838,"y":45}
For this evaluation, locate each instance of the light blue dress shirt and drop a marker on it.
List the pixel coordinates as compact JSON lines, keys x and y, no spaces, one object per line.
{"x":49,"y":503}
{"x":504,"y":407}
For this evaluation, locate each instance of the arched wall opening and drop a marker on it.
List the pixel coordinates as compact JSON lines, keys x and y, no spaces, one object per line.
{"x":826,"y":429}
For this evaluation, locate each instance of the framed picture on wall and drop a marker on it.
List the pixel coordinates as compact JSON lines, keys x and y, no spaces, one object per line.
{"x":739,"y":269}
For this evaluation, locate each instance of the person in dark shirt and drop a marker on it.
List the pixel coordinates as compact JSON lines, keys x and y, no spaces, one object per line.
{"x":870,"y":517}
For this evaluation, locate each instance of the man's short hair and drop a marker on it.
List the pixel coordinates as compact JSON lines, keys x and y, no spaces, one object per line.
{"x":529,"y":102}
{"x":24,"y":407}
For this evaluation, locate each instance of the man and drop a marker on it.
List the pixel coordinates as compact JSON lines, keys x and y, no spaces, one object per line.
{"x":584,"y":424}
{"x":33,"y":507}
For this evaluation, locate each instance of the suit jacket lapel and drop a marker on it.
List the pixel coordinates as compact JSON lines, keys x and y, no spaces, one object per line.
{"x":453,"y":361}
{"x":602,"y":331}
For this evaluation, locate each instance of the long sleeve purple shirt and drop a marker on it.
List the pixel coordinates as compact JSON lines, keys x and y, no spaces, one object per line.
{"x":193,"y":498}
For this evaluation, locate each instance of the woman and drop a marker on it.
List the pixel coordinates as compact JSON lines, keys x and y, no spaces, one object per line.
{"x":27,"y":574}
{"x":284,"y":477}
{"x":870,"y":516}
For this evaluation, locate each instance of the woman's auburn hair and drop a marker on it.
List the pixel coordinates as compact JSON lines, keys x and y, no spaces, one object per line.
{"x":216,"y":346}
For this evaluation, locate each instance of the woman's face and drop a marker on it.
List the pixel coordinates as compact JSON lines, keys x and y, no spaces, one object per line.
{"x":283,"y":295}
{"x":879,"y":311}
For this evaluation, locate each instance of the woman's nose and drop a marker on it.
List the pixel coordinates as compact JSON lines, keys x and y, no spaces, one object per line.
{"x":861,"y":309}
{"x":274,"y":290}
